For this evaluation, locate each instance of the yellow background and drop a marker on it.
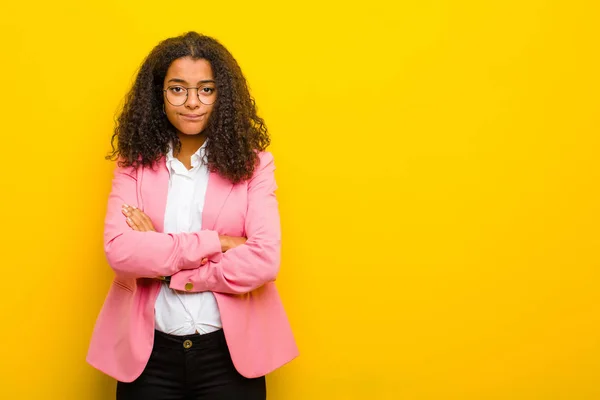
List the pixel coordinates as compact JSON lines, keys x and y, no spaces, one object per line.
{"x":438,"y":189}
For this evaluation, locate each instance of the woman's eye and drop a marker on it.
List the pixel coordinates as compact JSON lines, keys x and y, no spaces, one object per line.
{"x":208,"y":90}
{"x":177,"y":89}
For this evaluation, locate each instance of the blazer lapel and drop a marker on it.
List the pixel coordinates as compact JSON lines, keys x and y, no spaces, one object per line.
{"x":216,"y":193}
{"x":153,"y":187}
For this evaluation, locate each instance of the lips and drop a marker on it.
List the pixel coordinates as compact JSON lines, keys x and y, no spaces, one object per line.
{"x":192,"y":117}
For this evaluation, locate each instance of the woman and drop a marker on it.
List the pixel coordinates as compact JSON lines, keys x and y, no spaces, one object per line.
{"x":192,"y":233}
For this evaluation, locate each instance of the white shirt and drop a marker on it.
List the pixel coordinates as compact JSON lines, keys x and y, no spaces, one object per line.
{"x":182,"y":313}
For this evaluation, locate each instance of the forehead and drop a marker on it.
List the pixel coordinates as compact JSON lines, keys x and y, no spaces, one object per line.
{"x":190,"y":70}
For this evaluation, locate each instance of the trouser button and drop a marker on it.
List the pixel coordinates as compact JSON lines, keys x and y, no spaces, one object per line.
{"x":187,"y":344}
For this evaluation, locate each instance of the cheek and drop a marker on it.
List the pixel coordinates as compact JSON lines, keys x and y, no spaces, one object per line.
{"x":171,"y":114}
{"x":209,"y":112}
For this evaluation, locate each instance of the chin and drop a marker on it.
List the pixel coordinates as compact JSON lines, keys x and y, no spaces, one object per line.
{"x":190,"y":132}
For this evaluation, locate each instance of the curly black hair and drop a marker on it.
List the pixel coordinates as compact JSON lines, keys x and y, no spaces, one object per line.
{"x":236,"y":133}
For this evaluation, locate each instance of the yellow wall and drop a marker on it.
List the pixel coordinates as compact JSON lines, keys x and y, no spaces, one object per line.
{"x":438,"y":186}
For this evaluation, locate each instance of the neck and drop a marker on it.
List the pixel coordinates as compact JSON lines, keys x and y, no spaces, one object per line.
{"x":189,"y":145}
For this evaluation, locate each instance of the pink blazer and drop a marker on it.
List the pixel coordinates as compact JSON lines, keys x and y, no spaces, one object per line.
{"x":256,"y":328}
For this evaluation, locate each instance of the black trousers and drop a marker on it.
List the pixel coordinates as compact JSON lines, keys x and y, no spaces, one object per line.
{"x":193,"y":367}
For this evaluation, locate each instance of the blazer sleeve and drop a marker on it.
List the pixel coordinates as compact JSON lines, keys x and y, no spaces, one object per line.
{"x":149,"y":254}
{"x":256,"y":262}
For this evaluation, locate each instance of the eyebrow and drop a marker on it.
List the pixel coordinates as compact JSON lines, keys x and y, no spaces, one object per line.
{"x":179,"y":80}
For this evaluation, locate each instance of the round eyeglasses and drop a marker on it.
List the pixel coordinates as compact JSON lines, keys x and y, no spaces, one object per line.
{"x":177,"y":95}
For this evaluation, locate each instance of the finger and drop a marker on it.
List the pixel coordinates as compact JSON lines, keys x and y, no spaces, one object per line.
{"x":132,"y":224}
{"x":137,"y":220}
{"x":147,"y":221}
{"x":126,"y":210}
{"x":131,"y":219}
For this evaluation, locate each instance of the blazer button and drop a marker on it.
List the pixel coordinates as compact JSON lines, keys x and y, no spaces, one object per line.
{"x":189,"y":286}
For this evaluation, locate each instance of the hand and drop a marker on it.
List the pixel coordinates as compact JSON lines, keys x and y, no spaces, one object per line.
{"x":229,"y":242}
{"x":137,"y":220}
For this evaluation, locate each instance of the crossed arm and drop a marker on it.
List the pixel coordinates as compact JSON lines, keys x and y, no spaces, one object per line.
{"x":197,"y":261}
{"x":140,"y":222}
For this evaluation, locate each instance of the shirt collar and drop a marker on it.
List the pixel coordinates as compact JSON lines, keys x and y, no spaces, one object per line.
{"x":197,"y":157}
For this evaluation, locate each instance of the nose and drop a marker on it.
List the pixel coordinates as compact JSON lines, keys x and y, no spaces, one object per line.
{"x":192,"y":101}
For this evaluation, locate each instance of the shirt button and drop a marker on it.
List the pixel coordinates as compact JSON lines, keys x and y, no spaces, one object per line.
{"x":187,"y":344}
{"x":189,"y":286}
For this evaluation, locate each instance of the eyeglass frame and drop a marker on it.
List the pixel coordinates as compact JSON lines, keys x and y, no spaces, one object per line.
{"x":186,"y":93}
